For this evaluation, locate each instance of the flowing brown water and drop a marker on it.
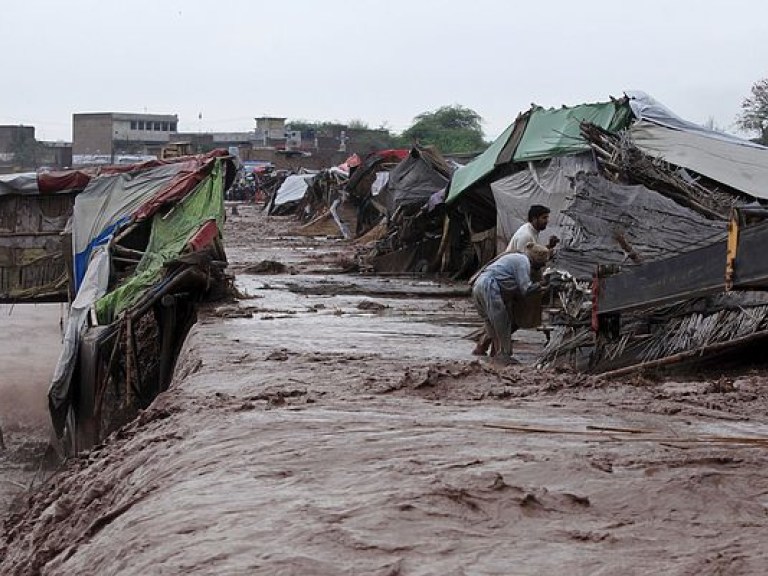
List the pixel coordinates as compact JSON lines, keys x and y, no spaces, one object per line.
{"x":308,"y":434}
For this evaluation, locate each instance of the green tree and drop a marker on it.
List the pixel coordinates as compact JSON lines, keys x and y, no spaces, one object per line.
{"x":361,"y":138}
{"x":451,"y":129}
{"x":754,"y":111}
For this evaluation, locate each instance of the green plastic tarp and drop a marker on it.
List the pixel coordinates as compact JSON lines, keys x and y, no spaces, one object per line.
{"x":171,"y":231}
{"x":556,"y":131}
{"x":547,"y":133}
{"x":480,"y":167}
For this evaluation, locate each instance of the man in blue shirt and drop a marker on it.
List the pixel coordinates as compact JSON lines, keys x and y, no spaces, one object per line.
{"x":510,"y":273}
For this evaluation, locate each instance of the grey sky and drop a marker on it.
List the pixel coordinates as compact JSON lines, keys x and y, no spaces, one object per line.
{"x":380,"y":62}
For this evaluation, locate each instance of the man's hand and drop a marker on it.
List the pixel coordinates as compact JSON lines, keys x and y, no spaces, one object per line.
{"x":553,"y":241}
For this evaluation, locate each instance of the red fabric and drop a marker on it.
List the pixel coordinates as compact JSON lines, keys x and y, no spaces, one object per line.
{"x":352,"y":162}
{"x":387,"y":154}
{"x":181,"y":185}
{"x":120,"y":168}
{"x":204,"y":236}
{"x":52,"y":182}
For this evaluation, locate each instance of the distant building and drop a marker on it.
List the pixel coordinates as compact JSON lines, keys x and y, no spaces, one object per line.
{"x":13,"y":139}
{"x":270,"y":132}
{"x":21,"y":151}
{"x":112,"y":133}
{"x":55,"y":155}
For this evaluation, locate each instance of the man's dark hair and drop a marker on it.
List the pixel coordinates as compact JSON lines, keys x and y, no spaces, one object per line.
{"x":537,"y":210}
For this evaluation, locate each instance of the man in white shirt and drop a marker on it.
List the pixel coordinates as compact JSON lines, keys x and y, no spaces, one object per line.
{"x":538,"y":218}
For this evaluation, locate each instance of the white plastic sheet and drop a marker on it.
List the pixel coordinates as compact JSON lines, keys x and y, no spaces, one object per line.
{"x":544,"y":182}
{"x":744,"y":168}
{"x":293,"y":188}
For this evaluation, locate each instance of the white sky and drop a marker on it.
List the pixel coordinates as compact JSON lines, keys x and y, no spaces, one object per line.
{"x":376,"y":61}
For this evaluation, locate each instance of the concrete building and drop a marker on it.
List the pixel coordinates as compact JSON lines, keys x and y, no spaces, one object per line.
{"x":110,"y":133}
{"x":21,"y":151}
{"x":270,"y":132}
{"x":13,"y":139}
{"x":55,"y":155}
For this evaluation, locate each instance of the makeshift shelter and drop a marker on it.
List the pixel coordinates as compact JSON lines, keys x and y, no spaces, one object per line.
{"x":691,"y":179}
{"x":145,"y":247}
{"x":540,"y":134}
{"x":290,"y":194}
{"x":324,"y":208}
{"x":412,"y":200}
{"x":629,"y":183}
{"x":417,"y":177}
{"x":366,"y":181}
{"x":490,"y":196}
{"x":34,"y":211}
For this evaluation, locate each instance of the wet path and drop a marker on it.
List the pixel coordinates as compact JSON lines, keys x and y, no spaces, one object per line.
{"x":328,"y":431}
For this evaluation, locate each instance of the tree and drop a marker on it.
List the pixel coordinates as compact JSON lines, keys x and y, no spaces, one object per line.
{"x":359,"y":136}
{"x":754,"y":111}
{"x":451,"y":129}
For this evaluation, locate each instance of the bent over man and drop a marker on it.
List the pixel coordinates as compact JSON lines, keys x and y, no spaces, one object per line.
{"x":510,"y":273}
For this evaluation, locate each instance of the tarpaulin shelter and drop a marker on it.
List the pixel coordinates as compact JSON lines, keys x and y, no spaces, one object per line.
{"x":661,"y":188}
{"x":34,"y":211}
{"x":538,"y":134}
{"x":133,"y":233}
{"x":735,"y":162}
{"x":518,"y":166}
{"x":410,"y":201}
{"x":290,"y":193}
{"x":364,"y":175}
{"x":417,"y":177}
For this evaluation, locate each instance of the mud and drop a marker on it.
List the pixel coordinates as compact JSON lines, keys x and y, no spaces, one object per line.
{"x":311,"y":432}
{"x":30,"y":338}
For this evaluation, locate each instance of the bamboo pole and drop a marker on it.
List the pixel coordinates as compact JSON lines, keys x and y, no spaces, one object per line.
{"x":682,"y":356}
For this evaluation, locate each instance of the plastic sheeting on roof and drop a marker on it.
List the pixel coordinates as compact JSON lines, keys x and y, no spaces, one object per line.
{"x":170,"y":234}
{"x":656,"y":227}
{"x":99,"y":210}
{"x":21,"y":183}
{"x":547,"y":183}
{"x":547,"y":133}
{"x":479,"y":168}
{"x":557,"y":131}
{"x":109,"y":201}
{"x":414,"y":180}
{"x":645,"y":107}
{"x":293,"y":188}
{"x":744,"y":168}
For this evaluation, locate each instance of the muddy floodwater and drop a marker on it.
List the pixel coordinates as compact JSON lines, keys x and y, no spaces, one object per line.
{"x":327,"y":423}
{"x":30,"y":341}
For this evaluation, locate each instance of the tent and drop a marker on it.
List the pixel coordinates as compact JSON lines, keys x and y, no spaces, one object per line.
{"x":417,"y":177}
{"x":290,"y":193}
{"x":134,"y":232}
{"x":539,"y":134}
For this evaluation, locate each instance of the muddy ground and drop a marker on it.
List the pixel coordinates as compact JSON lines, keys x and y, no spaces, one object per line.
{"x":337,"y":424}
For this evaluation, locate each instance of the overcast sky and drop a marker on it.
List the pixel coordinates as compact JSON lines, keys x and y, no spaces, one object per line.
{"x":382,"y":62}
